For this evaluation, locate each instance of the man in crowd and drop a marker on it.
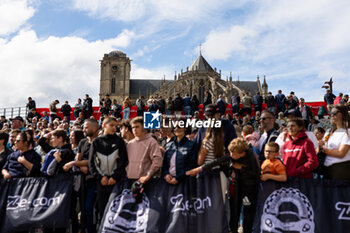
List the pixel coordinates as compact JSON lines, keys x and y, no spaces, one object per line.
{"x":108,"y":102}
{"x":31,"y":103}
{"x":53,"y":110}
{"x":235,"y":101}
{"x":258,"y":101}
{"x":329,"y":99}
{"x":187,"y":105}
{"x":140,"y":104}
{"x":126,"y":131}
{"x":211,"y":112}
{"x":221,"y":103}
{"x":178,"y":105}
{"x":17,"y":123}
{"x":161,"y":104}
{"x":207,"y":99}
{"x":270,"y":102}
{"x":270,"y":134}
{"x":280,"y":102}
{"x":33,"y":113}
{"x":87,"y":107}
{"x":66,"y":110}
{"x":247,"y":102}
{"x":306,"y":112}
{"x":2,"y":121}
{"x":145,"y":157}
{"x":290,"y":103}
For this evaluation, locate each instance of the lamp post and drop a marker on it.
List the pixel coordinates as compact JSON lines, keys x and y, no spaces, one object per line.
{"x":329,"y":85}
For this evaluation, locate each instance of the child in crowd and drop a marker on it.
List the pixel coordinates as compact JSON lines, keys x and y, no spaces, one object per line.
{"x":247,"y":170}
{"x":272,"y":168}
{"x":212,"y":146}
{"x":250,"y":136}
{"x":107,"y":161}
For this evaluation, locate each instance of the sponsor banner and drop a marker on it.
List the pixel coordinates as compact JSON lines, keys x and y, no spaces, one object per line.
{"x":40,"y":202}
{"x":194,"y":205}
{"x":303,"y":205}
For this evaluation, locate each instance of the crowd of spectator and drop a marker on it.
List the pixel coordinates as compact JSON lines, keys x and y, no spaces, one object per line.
{"x":283,"y":140}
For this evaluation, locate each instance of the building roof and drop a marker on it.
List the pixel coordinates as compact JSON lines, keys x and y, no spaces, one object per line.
{"x":201,"y":64}
{"x":117,"y":53}
{"x":143,"y":86}
{"x":247,"y":86}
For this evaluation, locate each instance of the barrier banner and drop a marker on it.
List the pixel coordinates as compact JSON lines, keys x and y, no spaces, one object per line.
{"x":194,"y":205}
{"x":40,"y":202}
{"x":303,"y":205}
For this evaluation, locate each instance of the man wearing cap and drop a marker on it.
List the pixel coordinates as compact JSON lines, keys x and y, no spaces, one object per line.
{"x":211,"y":112}
{"x":17,"y":123}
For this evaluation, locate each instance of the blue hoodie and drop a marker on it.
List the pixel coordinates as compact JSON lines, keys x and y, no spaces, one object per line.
{"x":16,"y":169}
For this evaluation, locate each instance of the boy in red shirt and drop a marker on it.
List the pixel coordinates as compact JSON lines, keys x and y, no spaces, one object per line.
{"x":272,"y":168}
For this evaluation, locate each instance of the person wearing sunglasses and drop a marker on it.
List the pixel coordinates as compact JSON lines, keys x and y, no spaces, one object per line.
{"x":24,"y":161}
{"x":337,"y":148}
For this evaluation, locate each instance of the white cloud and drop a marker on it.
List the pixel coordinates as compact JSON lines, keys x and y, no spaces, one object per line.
{"x":14,"y":14}
{"x":154,"y":73}
{"x":65,"y":68}
{"x":176,"y":11}
{"x":302,"y":41}
{"x":221,"y":44}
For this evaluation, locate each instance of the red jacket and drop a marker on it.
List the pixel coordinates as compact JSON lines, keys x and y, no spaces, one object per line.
{"x":299,"y":156}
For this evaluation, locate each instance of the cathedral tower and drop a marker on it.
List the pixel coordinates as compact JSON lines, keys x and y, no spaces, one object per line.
{"x":115,"y":75}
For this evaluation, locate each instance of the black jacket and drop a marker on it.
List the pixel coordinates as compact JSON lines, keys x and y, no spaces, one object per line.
{"x":178,"y":103}
{"x":108,"y":157}
{"x":66,"y":109}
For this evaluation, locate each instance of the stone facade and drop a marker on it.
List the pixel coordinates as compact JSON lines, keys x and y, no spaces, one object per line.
{"x":199,"y":77}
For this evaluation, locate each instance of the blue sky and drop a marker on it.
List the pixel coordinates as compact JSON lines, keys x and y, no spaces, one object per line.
{"x":51,"y":49}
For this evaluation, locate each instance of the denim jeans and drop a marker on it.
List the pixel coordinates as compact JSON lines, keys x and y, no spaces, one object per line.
{"x":126,"y":113}
{"x":187,"y":110}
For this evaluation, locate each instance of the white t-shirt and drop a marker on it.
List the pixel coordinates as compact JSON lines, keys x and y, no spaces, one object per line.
{"x":338,"y":138}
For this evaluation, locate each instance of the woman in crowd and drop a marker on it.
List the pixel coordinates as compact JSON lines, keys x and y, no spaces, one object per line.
{"x":298,"y":153}
{"x":337,"y":163}
{"x":23,"y":162}
{"x":4,"y":151}
{"x":180,"y":156}
{"x":126,"y":107}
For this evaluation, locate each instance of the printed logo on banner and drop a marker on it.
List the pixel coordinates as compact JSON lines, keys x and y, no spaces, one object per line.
{"x":287,"y":209}
{"x":125,"y":215}
{"x":22,"y":204}
{"x":151,"y":120}
{"x":344,"y":208}
{"x":196,"y":205}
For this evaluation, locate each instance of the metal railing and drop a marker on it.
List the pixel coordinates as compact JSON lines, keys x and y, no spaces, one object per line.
{"x":13,"y":112}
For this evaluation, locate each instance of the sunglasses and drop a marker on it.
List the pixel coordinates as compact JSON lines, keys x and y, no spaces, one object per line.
{"x":333,"y":113}
{"x":264,"y":118}
{"x":17,"y":141}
